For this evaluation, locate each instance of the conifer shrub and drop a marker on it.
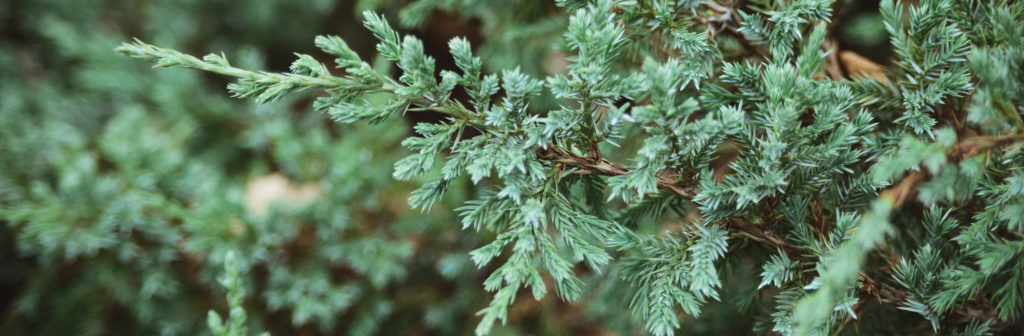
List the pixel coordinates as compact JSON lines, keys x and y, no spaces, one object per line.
{"x":852,"y":193}
{"x":637,"y":167}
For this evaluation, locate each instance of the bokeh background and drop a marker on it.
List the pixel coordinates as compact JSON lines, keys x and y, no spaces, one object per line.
{"x":123,"y":188}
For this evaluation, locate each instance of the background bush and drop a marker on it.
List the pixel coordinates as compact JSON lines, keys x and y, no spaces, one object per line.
{"x":123,"y":191}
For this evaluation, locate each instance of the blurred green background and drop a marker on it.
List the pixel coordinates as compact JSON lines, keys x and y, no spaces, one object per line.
{"x":123,"y":188}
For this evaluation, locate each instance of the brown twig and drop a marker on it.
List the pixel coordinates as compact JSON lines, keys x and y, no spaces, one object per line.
{"x":599,"y":166}
{"x":967,"y":148}
{"x":729,"y":19}
{"x":832,"y":66}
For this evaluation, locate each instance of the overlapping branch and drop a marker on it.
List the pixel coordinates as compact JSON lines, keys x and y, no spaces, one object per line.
{"x":898,"y":195}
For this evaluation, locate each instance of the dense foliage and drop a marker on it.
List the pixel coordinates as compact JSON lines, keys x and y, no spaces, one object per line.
{"x":649,"y":166}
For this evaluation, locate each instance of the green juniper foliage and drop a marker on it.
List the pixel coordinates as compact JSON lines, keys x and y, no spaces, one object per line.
{"x":122,"y":193}
{"x":661,"y":165}
{"x":865,"y":196}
